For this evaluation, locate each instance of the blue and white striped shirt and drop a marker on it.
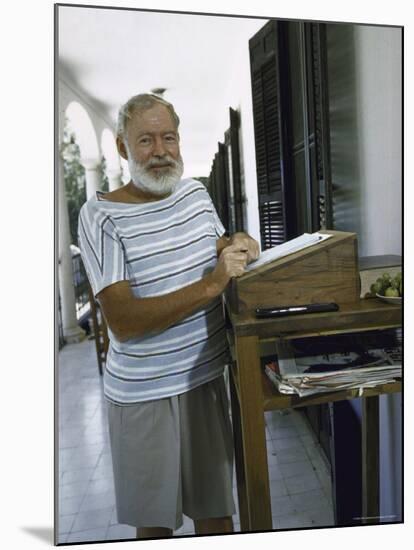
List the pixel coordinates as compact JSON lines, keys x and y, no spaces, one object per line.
{"x":158,"y":247}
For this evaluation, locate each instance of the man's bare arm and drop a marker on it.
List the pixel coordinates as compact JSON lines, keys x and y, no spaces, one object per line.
{"x":129,"y":316}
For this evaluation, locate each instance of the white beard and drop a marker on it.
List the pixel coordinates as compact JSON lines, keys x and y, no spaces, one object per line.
{"x":161,"y":184}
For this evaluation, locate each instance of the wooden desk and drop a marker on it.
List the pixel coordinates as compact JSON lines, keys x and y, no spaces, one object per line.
{"x":252,"y":394}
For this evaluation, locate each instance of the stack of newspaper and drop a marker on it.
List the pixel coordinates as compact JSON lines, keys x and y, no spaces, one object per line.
{"x":333,"y":372}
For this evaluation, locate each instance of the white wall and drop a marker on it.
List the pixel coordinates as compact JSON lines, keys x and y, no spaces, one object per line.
{"x":365,"y":101}
{"x":365,"y":115}
{"x":378,"y":79}
{"x":247,"y":145}
{"x":379,"y":92}
{"x":238,"y":95}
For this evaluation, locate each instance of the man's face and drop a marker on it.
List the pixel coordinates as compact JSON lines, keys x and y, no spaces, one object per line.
{"x":153,"y":150}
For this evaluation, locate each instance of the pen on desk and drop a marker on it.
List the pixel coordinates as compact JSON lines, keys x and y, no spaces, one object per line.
{"x":288,"y":309}
{"x":276,"y":311}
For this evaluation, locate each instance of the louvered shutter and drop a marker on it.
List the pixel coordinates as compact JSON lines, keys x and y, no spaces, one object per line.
{"x":211,"y":184}
{"x":235,"y":172}
{"x":269,"y":112}
{"x":218,"y":185}
{"x":223,"y":202}
{"x":230,"y":187}
{"x":309,"y":121}
{"x":318,"y":77}
{"x":216,"y":177}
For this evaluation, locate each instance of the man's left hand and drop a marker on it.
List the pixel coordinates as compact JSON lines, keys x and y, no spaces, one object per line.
{"x":247,"y":243}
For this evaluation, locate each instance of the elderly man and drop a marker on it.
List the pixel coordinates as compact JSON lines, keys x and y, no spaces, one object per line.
{"x":158,"y":260}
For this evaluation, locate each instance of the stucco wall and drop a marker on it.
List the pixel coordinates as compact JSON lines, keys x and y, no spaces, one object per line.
{"x":366,"y":139}
{"x":365,"y":106}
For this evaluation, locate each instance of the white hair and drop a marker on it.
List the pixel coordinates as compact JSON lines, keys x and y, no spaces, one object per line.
{"x":141,"y":102}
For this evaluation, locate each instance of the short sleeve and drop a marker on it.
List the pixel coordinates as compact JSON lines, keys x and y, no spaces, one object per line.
{"x":102,"y":250}
{"x":218,"y":226}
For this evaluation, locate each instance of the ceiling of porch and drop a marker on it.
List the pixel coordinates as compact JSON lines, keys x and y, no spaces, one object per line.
{"x":111,"y":54}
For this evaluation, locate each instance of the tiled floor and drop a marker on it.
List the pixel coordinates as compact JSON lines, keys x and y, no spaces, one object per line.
{"x":300,"y":483}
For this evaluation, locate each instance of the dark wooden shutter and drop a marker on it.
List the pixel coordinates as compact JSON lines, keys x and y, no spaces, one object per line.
{"x":225,"y":181}
{"x":218,"y":185}
{"x":318,"y":62}
{"x":215,"y":186}
{"x":212,"y":184}
{"x":269,"y":113}
{"x":223,"y":207}
{"x":230,"y":184}
{"x":309,"y":124}
{"x":238,"y":195}
{"x":291,"y":117}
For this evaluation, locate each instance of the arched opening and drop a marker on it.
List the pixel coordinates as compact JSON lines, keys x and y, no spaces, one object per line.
{"x":80,"y":124}
{"x":111,"y":167}
{"x":81,"y":177}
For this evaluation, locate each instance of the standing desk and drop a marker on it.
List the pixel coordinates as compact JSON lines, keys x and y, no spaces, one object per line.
{"x":252,"y":394}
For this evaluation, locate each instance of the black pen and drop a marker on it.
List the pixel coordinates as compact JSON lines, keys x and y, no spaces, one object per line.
{"x":286,"y":310}
{"x":295,"y":310}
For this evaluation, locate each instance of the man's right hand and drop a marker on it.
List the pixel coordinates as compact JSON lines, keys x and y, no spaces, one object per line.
{"x":231,"y":263}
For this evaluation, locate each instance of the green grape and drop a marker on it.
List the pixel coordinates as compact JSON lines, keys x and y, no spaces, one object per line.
{"x":395,"y":283}
{"x":376,"y":288}
{"x":391,"y":292}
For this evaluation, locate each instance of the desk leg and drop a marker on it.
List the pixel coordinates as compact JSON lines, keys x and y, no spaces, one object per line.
{"x":253,"y":433}
{"x":238,"y":457}
{"x":370,"y":459}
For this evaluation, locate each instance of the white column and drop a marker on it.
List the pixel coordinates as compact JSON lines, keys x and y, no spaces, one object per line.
{"x":114,"y":178}
{"x":125,"y":171}
{"x":92,"y":176}
{"x":71,"y":331}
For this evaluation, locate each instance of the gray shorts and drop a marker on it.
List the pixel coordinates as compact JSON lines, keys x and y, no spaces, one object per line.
{"x":173,"y":456}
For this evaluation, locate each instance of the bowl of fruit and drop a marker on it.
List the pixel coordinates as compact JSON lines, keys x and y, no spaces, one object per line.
{"x":388,"y":289}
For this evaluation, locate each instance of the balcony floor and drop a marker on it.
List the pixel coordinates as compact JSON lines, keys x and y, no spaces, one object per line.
{"x":299,"y":478}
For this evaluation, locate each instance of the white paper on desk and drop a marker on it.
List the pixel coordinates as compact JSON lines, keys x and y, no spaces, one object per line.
{"x":289,"y":247}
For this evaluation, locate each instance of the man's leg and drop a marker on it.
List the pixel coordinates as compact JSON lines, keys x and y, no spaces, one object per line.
{"x":153,"y":532}
{"x":212,"y":526}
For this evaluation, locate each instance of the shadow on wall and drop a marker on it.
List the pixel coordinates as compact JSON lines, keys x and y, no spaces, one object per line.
{"x":343,"y":107}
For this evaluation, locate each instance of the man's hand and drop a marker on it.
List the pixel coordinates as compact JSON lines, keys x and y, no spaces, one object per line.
{"x":231,"y":263}
{"x":234,"y":254}
{"x":243,"y":241}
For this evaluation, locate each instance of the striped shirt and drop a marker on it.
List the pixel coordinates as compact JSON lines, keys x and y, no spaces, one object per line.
{"x":159,"y":247}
